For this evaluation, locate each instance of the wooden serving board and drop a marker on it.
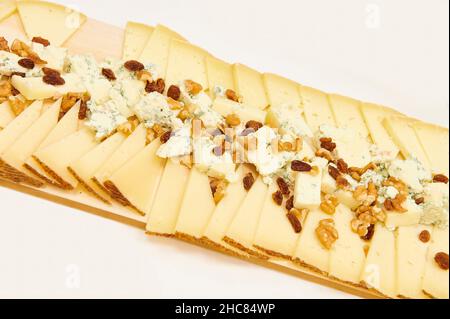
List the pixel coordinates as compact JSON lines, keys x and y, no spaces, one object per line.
{"x":103,"y":40}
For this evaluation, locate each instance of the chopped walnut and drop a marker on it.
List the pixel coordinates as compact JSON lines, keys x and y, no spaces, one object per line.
{"x":218,"y":188}
{"x":144,"y":75}
{"x":342,"y":182}
{"x":254,"y":125}
{"x":23,"y":50}
{"x":18,"y":105}
{"x":156,"y":86}
{"x":327,"y":233}
{"x":5,"y":90}
{"x":325,"y":154}
{"x":128,"y":127}
{"x":184,"y":115}
{"x":285,"y":146}
{"x":329,"y":205}
{"x":192,"y":87}
{"x":4,"y":45}
{"x":40,"y":40}
{"x":233,"y":120}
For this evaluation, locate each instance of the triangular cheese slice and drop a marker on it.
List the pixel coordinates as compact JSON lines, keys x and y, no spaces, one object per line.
{"x":135,"y":184}
{"x":281,"y":90}
{"x":136,"y":37}
{"x":16,"y":155}
{"x":50,"y":21}
{"x":156,"y":50}
{"x":249,"y":84}
{"x":84,"y":168}
{"x":65,"y":127}
{"x":317,"y":108}
{"x":7,"y":7}
{"x":56,"y":158}
{"x":6,"y":115}
{"x":347,"y":113}
{"x":186,"y":62}
{"x":219,"y":73}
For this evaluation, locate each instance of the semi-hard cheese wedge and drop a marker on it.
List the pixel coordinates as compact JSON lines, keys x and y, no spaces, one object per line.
{"x":317,"y":108}
{"x":435,"y":142}
{"x":56,"y":158}
{"x":347,"y":256}
{"x":281,"y":90}
{"x":226,"y":209}
{"x":374,"y":115}
{"x":401,"y":130}
{"x":436,"y":280}
{"x":6,"y":115}
{"x":242,"y":230}
{"x":68,"y":125}
{"x":379,"y":272}
{"x":51,"y":21}
{"x":246,"y":113}
{"x":127,"y":150}
{"x":309,"y":252}
{"x":135,"y":183}
{"x":19,"y":125}
{"x":156,"y":50}
{"x":249,"y":84}
{"x":275,"y":235}
{"x":347,"y":113}
{"x":186,"y":62}
{"x":196,"y":207}
{"x":220,"y":74}
{"x":163,"y":215}
{"x":16,"y":155}
{"x":411,"y":261}
{"x":136,"y":37}
{"x":7,"y":7}
{"x":84,"y":168}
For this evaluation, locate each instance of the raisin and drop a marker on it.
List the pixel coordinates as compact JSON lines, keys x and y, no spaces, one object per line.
{"x":370,"y":233}
{"x":247,"y":132}
{"x":389,"y":205}
{"x":174,"y":92}
{"x":420,"y":200}
{"x":342,"y":166}
{"x":82,"y":113}
{"x":27,"y":63}
{"x":440,"y":179}
{"x":14,"y":91}
{"x":334,"y":172}
{"x":290,"y":203}
{"x":425,"y":236}
{"x":248,"y":181}
{"x":165,"y":137}
{"x":218,"y":151}
{"x":442,"y":260}
{"x":50,"y":71}
{"x":278,"y":198}
{"x":156,"y":86}
{"x":109,"y":74}
{"x":283,"y":186}
{"x":42,"y":41}
{"x":134,"y":66}
{"x":255,"y":125}
{"x":54,"y":80}
{"x":327,"y":143}
{"x":299,"y":166}
{"x":21,"y":74}
{"x":295,"y":222}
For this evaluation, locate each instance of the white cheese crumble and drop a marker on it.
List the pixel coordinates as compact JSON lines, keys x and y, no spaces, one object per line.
{"x":104,"y":119}
{"x":179,"y":144}
{"x":288,"y":118}
{"x":435,"y":209}
{"x":411,"y":172}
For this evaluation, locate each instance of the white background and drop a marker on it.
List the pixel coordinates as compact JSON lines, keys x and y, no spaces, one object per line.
{"x":394,"y":52}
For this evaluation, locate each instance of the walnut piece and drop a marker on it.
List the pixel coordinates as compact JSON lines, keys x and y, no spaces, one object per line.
{"x":327,"y":233}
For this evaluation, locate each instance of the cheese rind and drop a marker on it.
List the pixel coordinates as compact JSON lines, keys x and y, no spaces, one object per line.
{"x":136,"y":37}
{"x":347,"y":113}
{"x":280,"y":90}
{"x":317,"y":108}
{"x":249,"y":84}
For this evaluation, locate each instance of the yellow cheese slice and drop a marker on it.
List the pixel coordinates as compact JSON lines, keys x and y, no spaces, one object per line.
{"x":226,"y":209}
{"x":163,"y":216}
{"x":136,"y":37}
{"x":309,"y":251}
{"x":84,"y":168}
{"x":317,"y":108}
{"x":196,"y":207}
{"x":186,"y":62}
{"x":136,"y":182}
{"x":19,"y":125}
{"x":281,"y":90}
{"x":435,"y":142}
{"x":219,"y":73}
{"x":374,"y":116}
{"x":275,"y":234}
{"x":379,"y":271}
{"x":411,"y":260}
{"x":401,"y":130}
{"x":48,"y":20}
{"x":6,"y":115}
{"x":246,"y":113}
{"x":127,"y":150}
{"x":56,"y":158}
{"x":7,"y":7}
{"x":156,"y":50}
{"x":242,"y":230}
{"x":347,"y":113}
{"x":347,"y":256}
{"x":249,"y":84}
{"x":435,"y":280}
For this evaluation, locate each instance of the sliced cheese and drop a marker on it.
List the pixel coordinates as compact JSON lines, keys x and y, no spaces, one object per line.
{"x":136,"y":182}
{"x":48,"y":20}
{"x":435,"y":142}
{"x":401,"y":130}
{"x":347,"y":256}
{"x":435,"y":280}
{"x":281,"y":90}
{"x":7,"y":7}
{"x":6,"y":115}
{"x":85,"y":168}
{"x":249,"y":84}
{"x":56,"y":158}
{"x":317,"y":108}
{"x":242,"y":230}
{"x":163,"y":216}
{"x":197,"y":206}
{"x":186,"y":62}
{"x":246,"y":113}
{"x":411,"y":260}
{"x":156,"y":50}
{"x":347,"y":113}
{"x":136,"y":37}
{"x":374,"y":116}
{"x":19,"y":125}
{"x":379,"y":271}
{"x":220,"y":74}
